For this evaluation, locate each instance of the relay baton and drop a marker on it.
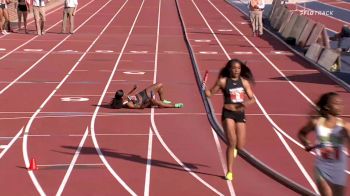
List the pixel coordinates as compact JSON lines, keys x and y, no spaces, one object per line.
{"x":205,"y":79}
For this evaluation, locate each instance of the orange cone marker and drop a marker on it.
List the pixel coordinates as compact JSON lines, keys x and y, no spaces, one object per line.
{"x":33,"y":165}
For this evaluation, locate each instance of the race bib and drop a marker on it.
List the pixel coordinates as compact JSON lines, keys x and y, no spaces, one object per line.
{"x":330,"y":153}
{"x":237,"y":95}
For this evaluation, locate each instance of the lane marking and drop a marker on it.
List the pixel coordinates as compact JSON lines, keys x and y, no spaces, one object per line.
{"x":296,"y":160}
{"x":8,"y":146}
{"x":71,"y":165}
{"x":112,"y":134}
{"x":74,"y":99}
{"x":202,"y":40}
{"x":149,"y":163}
{"x":283,"y":53}
{"x":77,"y":164}
{"x":3,"y":146}
{"x":134,"y":72}
{"x":31,"y":120}
{"x":242,"y":52}
{"x":224,"y":30}
{"x":104,"y":51}
{"x":208,"y":52}
{"x":68,"y":51}
{"x":2,"y":49}
{"x":245,"y":22}
{"x":139,"y":52}
{"x":32,"y":50}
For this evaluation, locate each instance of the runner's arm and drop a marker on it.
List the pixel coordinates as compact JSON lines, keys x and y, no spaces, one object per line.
{"x":304,"y":131}
{"x":218,"y":85}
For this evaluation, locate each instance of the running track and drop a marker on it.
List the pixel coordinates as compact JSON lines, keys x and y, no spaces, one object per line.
{"x":86,"y":148}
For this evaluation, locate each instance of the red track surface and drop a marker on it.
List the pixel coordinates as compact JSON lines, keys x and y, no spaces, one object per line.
{"x":177,"y":138}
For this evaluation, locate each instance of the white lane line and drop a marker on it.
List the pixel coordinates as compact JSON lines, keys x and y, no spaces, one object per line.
{"x":154,"y":124}
{"x":2,"y":49}
{"x":11,"y":143}
{"x":59,"y":22}
{"x":32,"y":50}
{"x":223,"y":163}
{"x":43,"y":57}
{"x":296,"y":160}
{"x":92,"y":127}
{"x":3,"y":146}
{"x":149,"y":163}
{"x":65,"y":165}
{"x":228,"y":57}
{"x":334,"y":5}
{"x":31,"y":120}
{"x":113,"y":134}
{"x":71,"y":165}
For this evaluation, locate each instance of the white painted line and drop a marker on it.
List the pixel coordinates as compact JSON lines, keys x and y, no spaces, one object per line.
{"x":208,"y":52}
{"x":65,"y":165}
{"x":225,"y":30}
{"x":2,"y":49}
{"x":3,"y":146}
{"x":80,"y":70}
{"x":104,"y":51}
{"x":93,"y":119}
{"x":31,"y":120}
{"x":149,"y":163}
{"x":68,"y":51}
{"x":223,"y":163}
{"x":74,"y":99}
{"x":112,"y":134}
{"x":296,"y":160}
{"x":242,"y":52}
{"x":139,"y":52}
{"x":32,"y":50}
{"x":134,"y":72}
{"x":11,"y":143}
{"x":74,"y":160}
{"x":202,"y":40}
{"x":300,"y":70}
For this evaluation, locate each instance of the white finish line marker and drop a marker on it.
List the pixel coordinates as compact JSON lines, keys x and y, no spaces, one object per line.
{"x":208,"y":52}
{"x":202,"y":40}
{"x":74,"y":99}
{"x":225,"y":30}
{"x":134,"y":72}
{"x":33,"y":50}
{"x":238,"y":52}
{"x":2,"y":49}
{"x":104,"y":51}
{"x":139,"y":52}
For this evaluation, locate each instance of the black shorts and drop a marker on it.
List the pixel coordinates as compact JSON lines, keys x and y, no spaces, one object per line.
{"x":22,"y":8}
{"x":2,"y":6}
{"x":237,"y":116}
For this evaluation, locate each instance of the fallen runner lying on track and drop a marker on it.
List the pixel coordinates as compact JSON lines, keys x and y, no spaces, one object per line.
{"x":144,"y":99}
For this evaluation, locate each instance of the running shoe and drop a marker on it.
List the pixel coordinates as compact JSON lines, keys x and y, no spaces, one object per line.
{"x":166,"y":101}
{"x":179,"y":105}
{"x":229,"y":176}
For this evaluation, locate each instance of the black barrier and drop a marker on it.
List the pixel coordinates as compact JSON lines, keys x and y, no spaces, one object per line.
{"x":218,"y":129}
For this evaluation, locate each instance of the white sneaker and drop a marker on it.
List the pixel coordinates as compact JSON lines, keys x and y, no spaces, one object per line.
{"x":5,"y":32}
